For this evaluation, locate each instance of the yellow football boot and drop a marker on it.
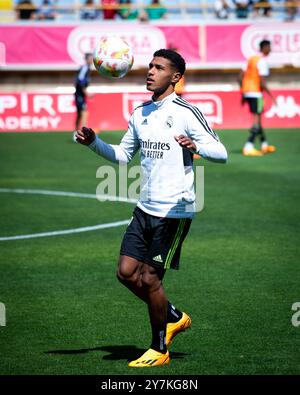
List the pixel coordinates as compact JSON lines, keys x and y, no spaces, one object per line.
{"x":268,"y":149}
{"x":252,"y":152}
{"x":151,"y":358}
{"x":174,"y":328}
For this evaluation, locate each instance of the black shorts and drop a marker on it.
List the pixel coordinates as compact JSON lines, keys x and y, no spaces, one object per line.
{"x":256,"y":104}
{"x":80,"y":102}
{"x":154,"y":240}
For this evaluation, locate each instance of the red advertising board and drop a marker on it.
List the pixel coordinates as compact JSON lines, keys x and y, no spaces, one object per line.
{"x":111,"y":111}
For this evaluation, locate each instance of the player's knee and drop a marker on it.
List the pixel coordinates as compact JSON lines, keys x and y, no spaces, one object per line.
{"x":127,"y":279}
{"x":124,"y":275}
{"x":150,"y":280}
{"x":127,"y":273}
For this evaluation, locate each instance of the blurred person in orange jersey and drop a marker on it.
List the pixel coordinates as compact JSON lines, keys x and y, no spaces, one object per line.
{"x":252,"y":81}
{"x":180,"y":86}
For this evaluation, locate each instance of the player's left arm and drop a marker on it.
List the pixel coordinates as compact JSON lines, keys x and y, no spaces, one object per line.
{"x":186,"y":142}
{"x":264,"y":72}
{"x":201,"y":139}
{"x":264,"y":86}
{"x":240,"y":78}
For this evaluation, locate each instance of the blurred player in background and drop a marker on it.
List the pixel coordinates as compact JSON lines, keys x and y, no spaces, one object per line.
{"x":81,"y":84}
{"x":166,"y":131}
{"x":180,"y":87}
{"x":252,"y":81}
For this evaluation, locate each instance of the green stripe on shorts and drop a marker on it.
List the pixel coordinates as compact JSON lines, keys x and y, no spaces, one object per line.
{"x":260,"y":105}
{"x":175,"y":243}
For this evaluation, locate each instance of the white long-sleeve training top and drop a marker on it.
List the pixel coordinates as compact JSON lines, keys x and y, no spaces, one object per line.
{"x":167,"y":185}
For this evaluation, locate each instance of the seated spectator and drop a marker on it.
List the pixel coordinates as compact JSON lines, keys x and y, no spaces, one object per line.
{"x":155,"y":11}
{"x":222,"y":8}
{"x":291,"y":10}
{"x":262,"y":8}
{"x":89,"y":12}
{"x":242,"y":8}
{"x":27,"y":12}
{"x":128,"y":12}
{"x":111,"y":12}
{"x":46,"y":11}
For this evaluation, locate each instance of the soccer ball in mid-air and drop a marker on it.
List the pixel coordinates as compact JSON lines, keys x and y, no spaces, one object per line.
{"x":113,"y":57}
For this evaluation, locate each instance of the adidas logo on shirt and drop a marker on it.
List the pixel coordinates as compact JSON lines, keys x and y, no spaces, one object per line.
{"x":158,"y":258}
{"x":145,"y":122}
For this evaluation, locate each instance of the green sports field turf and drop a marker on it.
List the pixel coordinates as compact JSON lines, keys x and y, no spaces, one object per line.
{"x":67,"y":314}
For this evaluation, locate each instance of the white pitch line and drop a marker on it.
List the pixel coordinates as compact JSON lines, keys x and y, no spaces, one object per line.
{"x":69,"y":194}
{"x":67,"y":231}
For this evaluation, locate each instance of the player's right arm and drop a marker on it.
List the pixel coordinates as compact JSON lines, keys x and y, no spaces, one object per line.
{"x":123,"y":152}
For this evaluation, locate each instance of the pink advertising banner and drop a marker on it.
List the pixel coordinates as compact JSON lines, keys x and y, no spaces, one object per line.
{"x":235,"y":43}
{"x":46,"y":111}
{"x":222,"y":45}
{"x":64,"y":46}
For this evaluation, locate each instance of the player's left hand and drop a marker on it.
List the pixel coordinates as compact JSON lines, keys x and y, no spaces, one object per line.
{"x":186,"y":142}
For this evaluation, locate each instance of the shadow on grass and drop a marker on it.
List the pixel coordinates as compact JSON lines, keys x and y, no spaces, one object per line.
{"x":235,"y":151}
{"x":127,"y":352}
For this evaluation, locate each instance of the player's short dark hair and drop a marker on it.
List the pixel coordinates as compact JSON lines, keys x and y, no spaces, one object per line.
{"x":174,"y":57}
{"x":264,"y":43}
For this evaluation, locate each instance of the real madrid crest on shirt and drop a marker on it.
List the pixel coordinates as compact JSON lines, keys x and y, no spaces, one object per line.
{"x":169,"y":122}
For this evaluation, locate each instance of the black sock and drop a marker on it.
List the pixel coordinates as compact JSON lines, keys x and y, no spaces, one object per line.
{"x":173,"y":314}
{"x":254,"y":131}
{"x":262,"y":135}
{"x":159,"y":338}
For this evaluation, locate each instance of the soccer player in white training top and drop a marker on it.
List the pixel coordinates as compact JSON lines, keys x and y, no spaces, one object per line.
{"x":167,"y":131}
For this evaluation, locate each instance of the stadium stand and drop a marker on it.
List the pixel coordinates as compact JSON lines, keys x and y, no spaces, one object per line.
{"x":69,"y":10}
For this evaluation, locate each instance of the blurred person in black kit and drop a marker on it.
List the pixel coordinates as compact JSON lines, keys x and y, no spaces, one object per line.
{"x":81,"y":84}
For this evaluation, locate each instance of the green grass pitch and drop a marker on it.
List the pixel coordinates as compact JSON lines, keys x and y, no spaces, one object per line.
{"x":66,"y":313}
